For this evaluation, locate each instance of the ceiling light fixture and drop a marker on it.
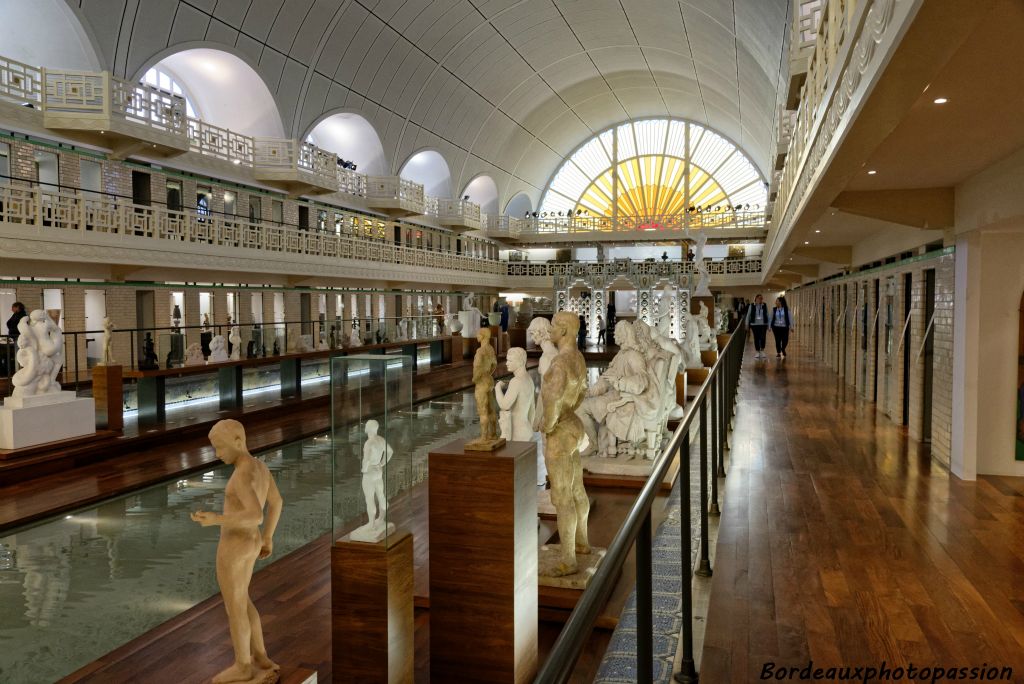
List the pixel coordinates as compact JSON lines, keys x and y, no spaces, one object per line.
{"x":872,"y":172}
{"x":940,"y":100}
{"x":806,"y":242}
{"x":817,"y":231}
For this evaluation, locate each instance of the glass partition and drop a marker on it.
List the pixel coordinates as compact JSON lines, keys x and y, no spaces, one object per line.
{"x":371,"y":395}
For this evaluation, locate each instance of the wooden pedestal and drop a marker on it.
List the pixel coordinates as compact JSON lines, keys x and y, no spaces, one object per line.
{"x":681,"y":388}
{"x":483,"y":564}
{"x":108,"y":394}
{"x":517,"y":337}
{"x":372,"y":610}
{"x":722,"y":340}
{"x":708,"y":357}
{"x":457,"y":340}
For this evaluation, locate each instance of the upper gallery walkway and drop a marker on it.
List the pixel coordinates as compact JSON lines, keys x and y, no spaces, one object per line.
{"x":842,"y":543}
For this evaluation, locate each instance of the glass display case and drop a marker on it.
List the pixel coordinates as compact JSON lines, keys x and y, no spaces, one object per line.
{"x":371,"y":400}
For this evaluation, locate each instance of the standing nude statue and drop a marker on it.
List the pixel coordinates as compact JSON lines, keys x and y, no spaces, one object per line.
{"x":108,"y":341}
{"x":515,"y":399}
{"x":484,"y":363}
{"x":562,"y":391}
{"x":376,"y":453}
{"x":250,"y":488}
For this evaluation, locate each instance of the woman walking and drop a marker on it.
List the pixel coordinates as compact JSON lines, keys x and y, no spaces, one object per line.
{"x":757,"y":321}
{"x":781,"y":323}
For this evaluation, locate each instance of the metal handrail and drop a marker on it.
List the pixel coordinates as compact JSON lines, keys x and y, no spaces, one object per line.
{"x":573,"y":637}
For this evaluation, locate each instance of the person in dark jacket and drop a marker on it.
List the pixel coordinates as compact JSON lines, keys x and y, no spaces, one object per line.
{"x":782,"y":322}
{"x":757,"y":321}
{"x":17,"y":313}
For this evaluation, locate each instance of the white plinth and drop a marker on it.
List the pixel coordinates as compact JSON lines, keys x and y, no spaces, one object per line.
{"x":617,"y":466}
{"x":40,"y":399}
{"x":371,"y":533}
{"x":470,"y":323}
{"x":38,"y":423}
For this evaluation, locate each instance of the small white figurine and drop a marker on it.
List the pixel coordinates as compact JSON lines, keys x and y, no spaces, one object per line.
{"x":376,"y":453}
{"x":516,"y":399}
{"x":218,"y":350}
{"x":355,"y":340}
{"x":108,"y":341}
{"x":236,"y":343}
{"x":194,"y":355}
{"x":707,"y":335}
{"x":206,"y":321}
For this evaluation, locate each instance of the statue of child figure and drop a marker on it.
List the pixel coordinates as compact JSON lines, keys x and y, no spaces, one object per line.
{"x":250,"y":489}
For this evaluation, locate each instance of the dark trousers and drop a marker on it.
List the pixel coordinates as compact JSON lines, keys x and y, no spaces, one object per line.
{"x":600,"y":336}
{"x":760,"y":333}
{"x":781,"y":334}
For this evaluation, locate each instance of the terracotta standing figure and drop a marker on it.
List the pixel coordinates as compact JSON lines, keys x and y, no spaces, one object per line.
{"x":484,"y":363}
{"x":562,"y":390}
{"x":250,"y":489}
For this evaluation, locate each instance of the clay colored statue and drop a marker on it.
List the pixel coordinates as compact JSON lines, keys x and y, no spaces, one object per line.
{"x":376,"y":453}
{"x":484,"y":363}
{"x":562,"y":390}
{"x":108,"y":342}
{"x":516,"y":400}
{"x":250,"y":489}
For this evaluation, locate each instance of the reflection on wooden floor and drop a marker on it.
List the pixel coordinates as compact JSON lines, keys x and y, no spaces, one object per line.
{"x":842,"y":543}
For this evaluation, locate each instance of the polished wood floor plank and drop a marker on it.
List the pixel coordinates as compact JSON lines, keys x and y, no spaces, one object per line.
{"x":841,"y":541}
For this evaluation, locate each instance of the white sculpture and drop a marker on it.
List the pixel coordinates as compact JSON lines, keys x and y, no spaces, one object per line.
{"x":194,"y":355}
{"x":403,"y":326}
{"x":355,"y":339}
{"x":516,"y":399}
{"x":108,"y":341}
{"x":376,"y":453}
{"x":663,"y":346}
{"x":703,"y":277}
{"x":218,"y":350}
{"x":236,"y":343}
{"x":206,"y":321}
{"x":40,"y":355}
{"x":707,"y":335}
{"x":625,"y":403}
{"x":691,"y":342}
{"x":470,"y":316}
{"x":454,"y":324}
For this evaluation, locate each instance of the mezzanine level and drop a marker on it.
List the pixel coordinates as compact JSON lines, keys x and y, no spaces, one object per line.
{"x":732,"y":271}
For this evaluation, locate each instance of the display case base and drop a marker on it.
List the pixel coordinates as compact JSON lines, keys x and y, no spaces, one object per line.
{"x":550,"y":556}
{"x":371,"y":534}
{"x":481,"y":444}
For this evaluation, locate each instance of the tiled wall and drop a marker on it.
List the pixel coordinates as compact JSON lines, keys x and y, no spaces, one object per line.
{"x":838,"y":340}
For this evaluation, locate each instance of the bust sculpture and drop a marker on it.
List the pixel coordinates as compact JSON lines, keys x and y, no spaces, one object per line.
{"x":108,"y":342}
{"x":515,"y":399}
{"x":484,"y":363}
{"x":250,"y":489}
{"x":562,"y":390}
{"x":194,"y":355}
{"x":236,"y":343}
{"x":376,"y":453}
{"x":218,"y":350}
{"x":40,"y":355}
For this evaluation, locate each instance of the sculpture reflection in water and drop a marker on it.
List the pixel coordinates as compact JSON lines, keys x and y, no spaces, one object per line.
{"x":562,"y":390}
{"x":250,"y":489}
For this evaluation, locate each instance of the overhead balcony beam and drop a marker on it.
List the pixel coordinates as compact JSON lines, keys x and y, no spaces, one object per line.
{"x":928,"y":208}
{"x":805,"y":270}
{"x":842,"y":255}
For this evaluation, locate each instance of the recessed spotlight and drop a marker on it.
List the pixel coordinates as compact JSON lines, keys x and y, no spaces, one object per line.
{"x":817,"y":231}
{"x":940,"y":100}
{"x":236,"y":161}
{"x":872,"y":172}
{"x":806,"y":242}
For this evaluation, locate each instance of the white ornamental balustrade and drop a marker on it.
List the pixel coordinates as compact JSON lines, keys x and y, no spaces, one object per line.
{"x":220,"y":143}
{"x":20,"y":82}
{"x":751,"y":220}
{"x":61,"y":214}
{"x":610,"y":270}
{"x":143,"y":104}
{"x":82,"y":93}
{"x":351,"y":183}
{"x":503,"y":225}
{"x":454,"y":213}
{"x":288,"y":160}
{"x":396,"y":194}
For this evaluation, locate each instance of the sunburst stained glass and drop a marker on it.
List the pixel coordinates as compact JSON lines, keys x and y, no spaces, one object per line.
{"x":654,"y":167}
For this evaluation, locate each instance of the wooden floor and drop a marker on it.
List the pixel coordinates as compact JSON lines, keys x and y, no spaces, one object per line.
{"x":842,"y":543}
{"x":148,"y":459}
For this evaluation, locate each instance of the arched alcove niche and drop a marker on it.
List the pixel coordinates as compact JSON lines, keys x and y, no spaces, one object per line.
{"x":519,"y":205}
{"x":46,"y":33}
{"x":429,"y":168}
{"x":353,"y":139}
{"x":483,"y":191}
{"x":224,"y":90}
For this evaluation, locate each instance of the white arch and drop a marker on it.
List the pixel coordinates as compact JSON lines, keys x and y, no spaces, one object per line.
{"x":225,"y":88}
{"x":519,"y":205}
{"x":46,"y":33}
{"x":430,"y":169}
{"x":352,"y":138}
{"x":484,"y":191}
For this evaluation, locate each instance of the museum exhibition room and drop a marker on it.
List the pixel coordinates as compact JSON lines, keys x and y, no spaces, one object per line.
{"x":518,"y":341}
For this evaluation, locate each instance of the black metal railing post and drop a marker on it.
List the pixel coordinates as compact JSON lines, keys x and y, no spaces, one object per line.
{"x":687,"y":669}
{"x":723,"y":426}
{"x":716,"y":437}
{"x":644,"y":604}
{"x":704,"y":569}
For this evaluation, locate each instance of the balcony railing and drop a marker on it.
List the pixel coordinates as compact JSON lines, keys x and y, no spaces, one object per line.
{"x":627,"y":267}
{"x":454,"y":213}
{"x":20,"y":82}
{"x":86,"y":214}
{"x":220,"y":143}
{"x":351,"y":183}
{"x":752,"y":220}
{"x":395,"y":192}
{"x":275,"y":156}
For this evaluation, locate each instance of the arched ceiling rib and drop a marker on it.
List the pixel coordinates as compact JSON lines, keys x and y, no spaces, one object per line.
{"x":503,"y":87}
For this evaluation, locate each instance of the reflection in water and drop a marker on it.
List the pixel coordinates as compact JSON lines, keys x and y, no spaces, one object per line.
{"x":75,"y":587}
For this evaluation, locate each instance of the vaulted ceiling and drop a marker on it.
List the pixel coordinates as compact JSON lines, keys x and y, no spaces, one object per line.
{"x":504,"y":87}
